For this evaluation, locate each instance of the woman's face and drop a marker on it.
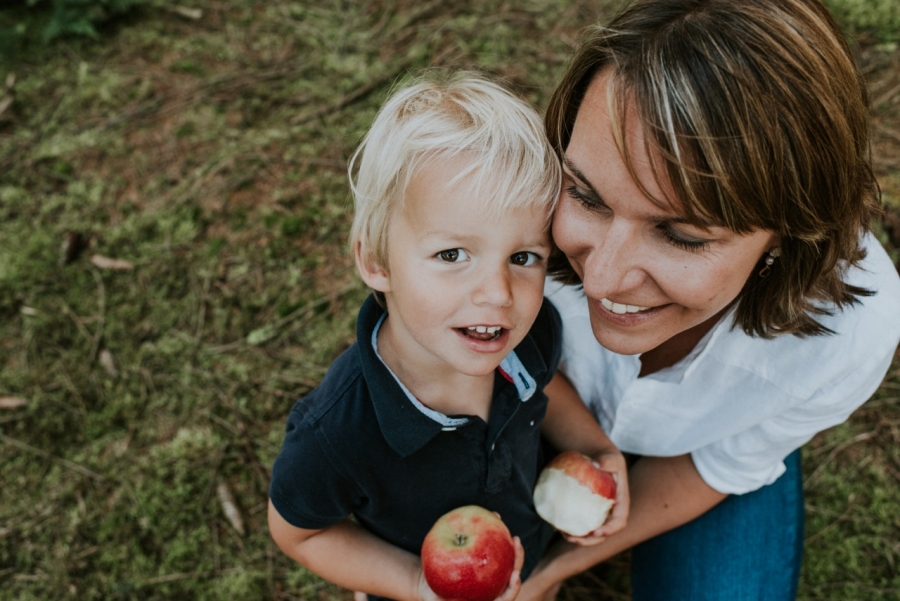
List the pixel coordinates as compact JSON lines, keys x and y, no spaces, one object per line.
{"x":648,"y":274}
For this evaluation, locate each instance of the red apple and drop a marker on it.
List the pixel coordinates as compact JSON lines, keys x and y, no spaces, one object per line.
{"x":573,"y":494}
{"x":468,"y":555}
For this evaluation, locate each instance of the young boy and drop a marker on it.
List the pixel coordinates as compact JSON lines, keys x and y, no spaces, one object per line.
{"x":440,"y":402}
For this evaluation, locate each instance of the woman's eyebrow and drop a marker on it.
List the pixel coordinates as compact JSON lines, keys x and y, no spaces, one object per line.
{"x":577,"y":173}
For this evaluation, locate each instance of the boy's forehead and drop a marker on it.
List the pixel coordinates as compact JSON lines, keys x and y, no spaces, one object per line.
{"x":485,"y":186}
{"x":458,"y":217}
{"x":470,"y":200}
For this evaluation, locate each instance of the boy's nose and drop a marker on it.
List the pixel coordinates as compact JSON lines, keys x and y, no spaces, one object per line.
{"x":493,"y":288}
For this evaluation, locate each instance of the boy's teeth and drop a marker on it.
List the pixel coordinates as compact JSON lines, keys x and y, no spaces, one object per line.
{"x":485,"y":329}
{"x":620,"y":309}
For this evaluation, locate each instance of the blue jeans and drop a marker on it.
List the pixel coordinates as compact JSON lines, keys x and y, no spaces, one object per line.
{"x":747,"y":548}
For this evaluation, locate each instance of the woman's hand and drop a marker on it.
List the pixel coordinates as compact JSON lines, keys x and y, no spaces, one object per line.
{"x":512,"y":589}
{"x":611,"y":461}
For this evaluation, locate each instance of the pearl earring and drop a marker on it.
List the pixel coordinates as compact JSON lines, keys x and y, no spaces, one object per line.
{"x":770,"y":260}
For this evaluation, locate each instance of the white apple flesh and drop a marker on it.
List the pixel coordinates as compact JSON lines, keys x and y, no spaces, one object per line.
{"x":574,"y":495}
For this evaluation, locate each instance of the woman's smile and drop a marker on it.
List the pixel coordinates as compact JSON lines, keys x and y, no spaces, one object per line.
{"x":619,"y":308}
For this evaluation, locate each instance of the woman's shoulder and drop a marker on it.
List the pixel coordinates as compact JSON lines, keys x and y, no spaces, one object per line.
{"x":863,"y":333}
{"x":874,"y":318}
{"x":878,"y":274}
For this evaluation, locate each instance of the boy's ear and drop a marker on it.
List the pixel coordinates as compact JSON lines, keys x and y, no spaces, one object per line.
{"x":374,"y":275}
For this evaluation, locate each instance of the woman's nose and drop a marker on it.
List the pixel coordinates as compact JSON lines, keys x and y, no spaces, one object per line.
{"x":612,"y":265}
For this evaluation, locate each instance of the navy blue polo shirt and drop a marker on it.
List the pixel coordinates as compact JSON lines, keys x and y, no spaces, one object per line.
{"x":360,"y":445}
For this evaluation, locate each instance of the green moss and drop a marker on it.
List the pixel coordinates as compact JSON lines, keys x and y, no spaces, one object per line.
{"x":876,"y":19}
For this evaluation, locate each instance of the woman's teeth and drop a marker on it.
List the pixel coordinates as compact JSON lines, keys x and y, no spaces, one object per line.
{"x":620,"y":309}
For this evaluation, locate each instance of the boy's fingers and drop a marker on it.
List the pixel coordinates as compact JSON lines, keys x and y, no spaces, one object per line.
{"x":520,"y":554}
{"x":613,"y":463}
{"x":515,"y":580}
{"x":618,"y":517}
{"x":512,"y":590}
{"x":593,"y":538}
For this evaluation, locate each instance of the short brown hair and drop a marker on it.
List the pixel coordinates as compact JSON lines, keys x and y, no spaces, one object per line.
{"x":759,"y":113}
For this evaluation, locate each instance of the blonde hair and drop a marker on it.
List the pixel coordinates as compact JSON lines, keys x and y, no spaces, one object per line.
{"x":511,"y":164}
{"x":760,"y":116}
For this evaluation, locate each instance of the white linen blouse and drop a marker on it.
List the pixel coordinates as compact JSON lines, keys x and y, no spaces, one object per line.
{"x":738,"y":404}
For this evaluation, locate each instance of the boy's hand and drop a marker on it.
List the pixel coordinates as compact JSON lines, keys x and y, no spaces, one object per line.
{"x":515,"y":581}
{"x":611,"y":461}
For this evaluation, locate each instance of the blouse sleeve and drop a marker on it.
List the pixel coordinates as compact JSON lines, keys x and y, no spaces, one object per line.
{"x":848,"y":366}
{"x":754,"y":457}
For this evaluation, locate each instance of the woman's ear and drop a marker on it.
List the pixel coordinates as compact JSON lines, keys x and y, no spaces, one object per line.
{"x":372,"y":273}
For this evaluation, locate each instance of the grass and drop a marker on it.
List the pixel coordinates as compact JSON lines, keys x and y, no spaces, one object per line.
{"x":210,"y":155}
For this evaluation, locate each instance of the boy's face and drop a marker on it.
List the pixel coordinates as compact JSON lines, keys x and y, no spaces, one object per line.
{"x":462,"y":287}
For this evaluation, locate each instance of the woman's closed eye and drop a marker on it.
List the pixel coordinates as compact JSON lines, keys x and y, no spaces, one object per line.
{"x":452,"y":255}
{"x":680,"y":240}
{"x":587,"y":199}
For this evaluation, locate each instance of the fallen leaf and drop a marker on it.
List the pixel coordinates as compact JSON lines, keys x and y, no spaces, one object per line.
{"x":230,"y":508}
{"x":195,"y":14}
{"x":260,"y":335}
{"x":108,"y":363}
{"x":12,"y":402}
{"x":108,"y":263}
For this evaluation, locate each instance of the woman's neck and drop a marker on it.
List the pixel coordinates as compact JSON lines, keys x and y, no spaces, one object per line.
{"x":677,"y":347}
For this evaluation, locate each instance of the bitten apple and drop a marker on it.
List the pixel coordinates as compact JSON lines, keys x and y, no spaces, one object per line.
{"x":468,"y":555}
{"x":573,"y":494}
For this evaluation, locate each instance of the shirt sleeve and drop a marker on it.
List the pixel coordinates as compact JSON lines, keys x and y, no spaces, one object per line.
{"x":755,"y":457}
{"x":850,"y":369}
{"x":306,"y":488}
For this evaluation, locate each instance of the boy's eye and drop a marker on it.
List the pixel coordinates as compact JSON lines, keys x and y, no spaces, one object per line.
{"x":452,"y":255}
{"x":524,"y":258}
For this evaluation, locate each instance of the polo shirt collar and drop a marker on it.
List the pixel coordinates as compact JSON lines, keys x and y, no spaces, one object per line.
{"x":406,"y":424}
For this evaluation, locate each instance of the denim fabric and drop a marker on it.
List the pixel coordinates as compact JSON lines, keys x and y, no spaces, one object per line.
{"x":747,"y":548}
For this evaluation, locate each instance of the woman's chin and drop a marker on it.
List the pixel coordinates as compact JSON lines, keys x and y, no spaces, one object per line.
{"x":627,"y":336}
{"x":624,"y":343}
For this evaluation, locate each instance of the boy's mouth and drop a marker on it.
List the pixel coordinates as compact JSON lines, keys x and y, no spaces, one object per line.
{"x":482,"y":332}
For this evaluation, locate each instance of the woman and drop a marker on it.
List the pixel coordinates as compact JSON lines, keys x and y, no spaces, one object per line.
{"x":715,"y":207}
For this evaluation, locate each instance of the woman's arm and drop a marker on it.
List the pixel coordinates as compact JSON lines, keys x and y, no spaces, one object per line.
{"x":665,"y":493}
